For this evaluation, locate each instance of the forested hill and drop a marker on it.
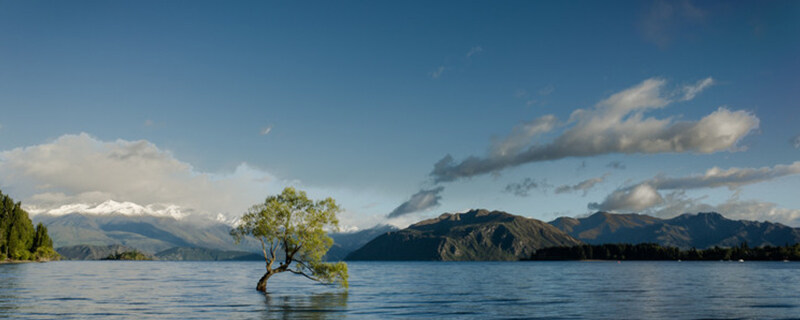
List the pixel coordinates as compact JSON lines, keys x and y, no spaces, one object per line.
{"x":19,"y":240}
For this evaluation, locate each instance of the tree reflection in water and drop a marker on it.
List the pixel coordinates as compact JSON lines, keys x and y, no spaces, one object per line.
{"x":328,"y":305}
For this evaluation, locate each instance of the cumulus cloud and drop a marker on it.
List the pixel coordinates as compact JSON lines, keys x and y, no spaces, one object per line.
{"x":614,"y":125}
{"x":583,"y":186}
{"x":522,"y":188}
{"x":420,"y":201}
{"x":636,"y":198}
{"x":616,"y":165}
{"x":625,"y":199}
{"x":80,"y":169}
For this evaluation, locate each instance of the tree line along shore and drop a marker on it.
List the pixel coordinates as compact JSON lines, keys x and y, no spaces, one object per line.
{"x":652,"y":251}
{"x":19,"y":239}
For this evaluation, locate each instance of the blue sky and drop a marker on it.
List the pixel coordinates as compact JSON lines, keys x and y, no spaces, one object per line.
{"x":362,"y":99}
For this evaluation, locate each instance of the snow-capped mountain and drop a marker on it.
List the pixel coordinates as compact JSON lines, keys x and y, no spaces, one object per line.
{"x":112,"y":207}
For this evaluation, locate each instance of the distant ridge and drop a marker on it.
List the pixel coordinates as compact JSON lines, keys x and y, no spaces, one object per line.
{"x":701,"y":230}
{"x":89,"y":252}
{"x":346,"y":242}
{"x":205,"y":254}
{"x":473,"y":235}
{"x":149,"y":234}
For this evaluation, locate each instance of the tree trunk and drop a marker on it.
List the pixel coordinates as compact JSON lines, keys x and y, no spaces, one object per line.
{"x":262,"y":283}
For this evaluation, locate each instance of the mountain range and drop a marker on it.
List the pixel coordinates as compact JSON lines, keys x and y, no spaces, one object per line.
{"x":473,"y":235}
{"x":146,"y":233}
{"x":88,"y":236}
{"x":702,"y":230}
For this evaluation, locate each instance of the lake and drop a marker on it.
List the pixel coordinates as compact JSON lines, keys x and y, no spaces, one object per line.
{"x":456,"y":290}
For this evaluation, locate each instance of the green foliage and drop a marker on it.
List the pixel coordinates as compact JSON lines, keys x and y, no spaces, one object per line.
{"x":652,"y":251}
{"x":41,"y":238}
{"x":18,"y":239}
{"x":45,"y":254}
{"x":294,"y":224}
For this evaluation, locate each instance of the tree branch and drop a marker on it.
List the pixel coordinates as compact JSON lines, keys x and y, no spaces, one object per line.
{"x":264,"y":250}
{"x":303,"y":274}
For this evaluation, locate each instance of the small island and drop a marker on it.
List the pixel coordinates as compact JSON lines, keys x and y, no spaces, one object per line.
{"x":134,"y":255}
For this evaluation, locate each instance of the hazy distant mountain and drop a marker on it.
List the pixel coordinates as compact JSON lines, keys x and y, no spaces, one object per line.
{"x":209,"y":240}
{"x":474,"y":235}
{"x":89,"y":252}
{"x":702,"y":230}
{"x":150,"y":234}
{"x":205,"y":254}
{"x":346,"y":242}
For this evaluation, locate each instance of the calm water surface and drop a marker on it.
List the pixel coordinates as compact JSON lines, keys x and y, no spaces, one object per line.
{"x":455,"y":290}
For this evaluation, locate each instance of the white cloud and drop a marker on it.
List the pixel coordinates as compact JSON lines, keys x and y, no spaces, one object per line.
{"x":149,"y":123}
{"x":615,"y":125}
{"x":637,"y":198}
{"x":266,"y":130}
{"x":689,"y":92}
{"x":796,"y":142}
{"x":435,"y":74}
{"x":80,"y":169}
{"x":81,"y":173}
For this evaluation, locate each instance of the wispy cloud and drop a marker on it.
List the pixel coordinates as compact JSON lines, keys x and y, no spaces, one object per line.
{"x":583,"y":186}
{"x":435,"y":74}
{"x":690,"y":91}
{"x":616,"y":165}
{"x":665,"y":20}
{"x":474,"y":50}
{"x":149,"y":123}
{"x":523,"y":187}
{"x":547,"y":90}
{"x":420,"y":201}
{"x":521,"y":136}
{"x":615,"y":125}
{"x":796,"y":142}
{"x":266,"y":130}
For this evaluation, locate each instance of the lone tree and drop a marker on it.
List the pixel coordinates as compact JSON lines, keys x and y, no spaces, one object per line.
{"x":294,"y":224}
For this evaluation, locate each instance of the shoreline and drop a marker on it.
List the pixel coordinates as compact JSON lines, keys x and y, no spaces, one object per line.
{"x":23,"y":261}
